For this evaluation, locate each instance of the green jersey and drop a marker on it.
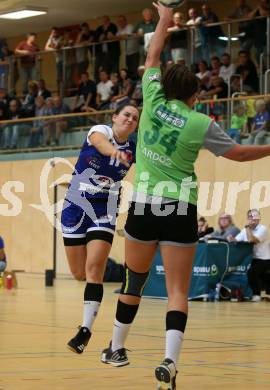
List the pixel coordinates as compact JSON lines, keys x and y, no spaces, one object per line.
{"x":170,"y":137}
{"x":238,"y":122}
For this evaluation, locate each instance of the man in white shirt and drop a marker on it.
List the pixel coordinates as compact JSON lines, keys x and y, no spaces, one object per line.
{"x":132,"y":46}
{"x":256,"y":233}
{"x":195,"y":21}
{"x":104,"y":90}
{"x":227,"y":69}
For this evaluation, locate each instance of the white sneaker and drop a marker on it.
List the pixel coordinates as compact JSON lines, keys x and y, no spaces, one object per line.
{"x":256,"y":298}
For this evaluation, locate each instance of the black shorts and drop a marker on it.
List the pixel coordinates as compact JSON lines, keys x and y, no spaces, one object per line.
{"x":168,"y":224}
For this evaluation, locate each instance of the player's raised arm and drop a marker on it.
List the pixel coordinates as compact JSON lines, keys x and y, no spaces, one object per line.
{"x":158,"y":40}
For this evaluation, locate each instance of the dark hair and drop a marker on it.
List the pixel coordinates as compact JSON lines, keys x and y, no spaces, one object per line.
{"x":244,"y":52}
{"x":121,"y":107}
{"x":202,"y":219}
{"x":31,"y":34}
{"x":226,"y":55}
{"x":215,"y":58}
{"x":203,"y":62}
{"x":179,"y":82}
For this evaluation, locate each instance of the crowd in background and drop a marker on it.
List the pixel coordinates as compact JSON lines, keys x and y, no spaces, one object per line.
{"x":111,"y":86}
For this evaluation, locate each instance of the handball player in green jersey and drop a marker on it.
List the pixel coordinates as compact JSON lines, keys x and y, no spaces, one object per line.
{"x":164,"y":208}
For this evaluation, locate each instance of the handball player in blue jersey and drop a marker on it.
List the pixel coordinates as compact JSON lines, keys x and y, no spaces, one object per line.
{"x":90,"y":209}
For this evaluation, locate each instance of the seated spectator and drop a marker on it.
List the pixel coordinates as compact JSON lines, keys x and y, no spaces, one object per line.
{"x":4,"y":101}
{"x":238,"y":123}
{"x":203,"y":228}
{"x":217,"y":89}
{"x":114,"y":77}
{"x":104,"y":90}
{"x":137,"y":95}
{"x":248,"y":72}
{"x":87,"y":89}
{"x":204,"y":75}
{"x":257,"y":234}
{"x":260,"y":125}
{"x":225,"y":228}
{"x":215,"y":66}
{"x":28,"y":105}
{"x":49,"y":127}
{"x":38,"y":124}
{"x":11,"y":131}
{"x":3,"y":260}
{"x":42,"y":90}
{"x":178,"y":38}
{"x":60,"y":124}
{"x":227,"y":69}
{"x":125,"y":90}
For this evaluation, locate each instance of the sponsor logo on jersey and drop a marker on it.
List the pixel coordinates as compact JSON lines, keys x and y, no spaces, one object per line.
{"x":154,"y":77}
{"x":103,"y":181}
{"x":157,"y":158}
{"x":169,"y":117}
{"x":93,"y":162}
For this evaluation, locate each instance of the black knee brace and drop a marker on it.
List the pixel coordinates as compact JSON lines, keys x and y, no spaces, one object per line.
{"x":133,"y":283}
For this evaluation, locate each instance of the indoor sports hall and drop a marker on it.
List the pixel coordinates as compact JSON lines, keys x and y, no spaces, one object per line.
{"x":68,"y":72}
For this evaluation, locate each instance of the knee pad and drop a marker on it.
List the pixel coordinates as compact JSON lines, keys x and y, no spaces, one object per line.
{"x":133,"y":283}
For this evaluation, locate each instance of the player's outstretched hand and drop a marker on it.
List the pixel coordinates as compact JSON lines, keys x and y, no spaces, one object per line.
{"x":164,"y":12}
{"x":122,"y":157}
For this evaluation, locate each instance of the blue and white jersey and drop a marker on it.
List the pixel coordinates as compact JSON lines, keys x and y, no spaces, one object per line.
{"x":96,"y":175}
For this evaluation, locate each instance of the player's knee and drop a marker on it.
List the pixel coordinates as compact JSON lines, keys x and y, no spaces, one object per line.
{"x":133,"y":283}
{"x":94,"y":271}
{"x":78,"y":274}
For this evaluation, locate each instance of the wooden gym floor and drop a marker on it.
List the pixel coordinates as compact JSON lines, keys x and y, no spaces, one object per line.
{"x":227,"y":345}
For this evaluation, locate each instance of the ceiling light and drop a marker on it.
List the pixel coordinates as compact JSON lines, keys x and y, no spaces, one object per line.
{"x":26,"y":12}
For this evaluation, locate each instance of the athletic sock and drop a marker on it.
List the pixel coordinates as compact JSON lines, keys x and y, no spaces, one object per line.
{"x":93,"y":295}
{"x":125,"y":315}
{"x":175,"y":328}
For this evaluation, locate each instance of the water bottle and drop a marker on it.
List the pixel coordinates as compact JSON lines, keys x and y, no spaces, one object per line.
{"x":218,"y":287}
{"x":9,"y":282}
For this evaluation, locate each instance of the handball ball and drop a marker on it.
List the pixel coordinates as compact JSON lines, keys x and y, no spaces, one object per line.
{"x":171,"y":3}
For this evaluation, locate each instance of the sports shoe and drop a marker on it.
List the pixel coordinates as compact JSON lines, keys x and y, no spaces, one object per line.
{"x":166,"y":375}
{"x":256,"y":298}
{"x":117,"y":358}
{"x":80,"y":341}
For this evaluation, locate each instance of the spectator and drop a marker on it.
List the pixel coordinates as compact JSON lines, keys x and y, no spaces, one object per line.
{"x":84,"y":39}
{"x":210,"y":35}
{"x":195,"y":21}
{"x":3,"y":260}
{"x":49,"y":124}
{"x":4,"y":65}
{"x":248,"y":72}
{"x":203,"y":228}
{"x":42,"y":90}
{"x":38,"y":124}
{"x":137,"y":95}
{"x":4,"y":101}
{"x":11,"y":131}
{"x":260,"y":126}
{"x":107,"y":54}
{"x":55,"y":42}
{"x":204,"y":75}
{"x":132,"y":47}
{"x":218,"y":88}
{"x":227,"y":69}
{"x":125,"y":90}
{"x":178,"y":38}
{"x":260,"y":27}
{"x":60,"y":124}
{"x":28,"y":105}
{"x":87,"y":89}
{"x":114,"y":77}
{"x":238,"y":123}
{"x":28,"y":49}
{"x":147,"y":25}
{"x":225,"y":228}
{"x":215,"y":66}
{"x":246,"y":32}
{"x":257,"y":234}
{"x":69,"y":60}
{"x":104,"y":90}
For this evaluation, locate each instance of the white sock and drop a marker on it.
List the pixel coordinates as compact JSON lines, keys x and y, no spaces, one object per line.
{"x":174,"y":340}
{"x":90,"y":311}
{"x":120,"y":333}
